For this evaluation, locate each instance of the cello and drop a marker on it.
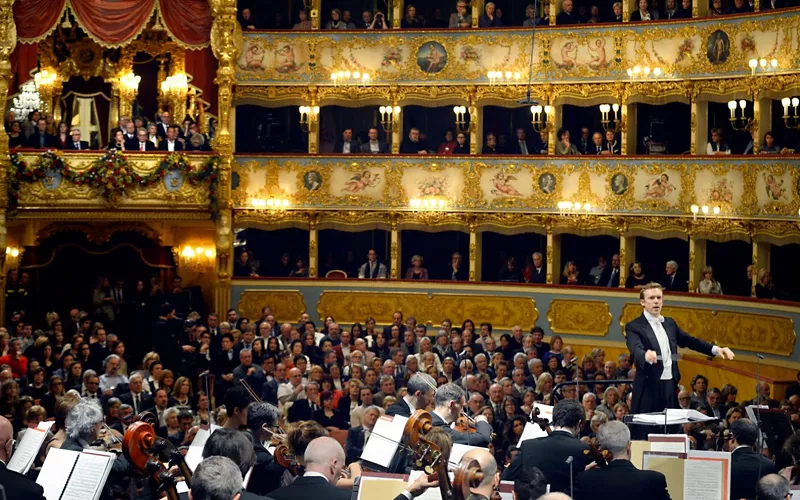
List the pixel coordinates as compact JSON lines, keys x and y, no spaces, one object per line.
{"x":427,"y":454}
{"x":142,"y":447}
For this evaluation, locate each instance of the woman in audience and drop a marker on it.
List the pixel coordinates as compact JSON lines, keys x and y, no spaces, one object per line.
{"x":75,"y":375}
{"x":55,"y":391}
{"x":594,"y":14}
{"x":336,"y":22}
{"x":16,"y":138}
{"x":167,"y":381}
{"x":416,"y":271}
{"x":183,"y":394}
{"x":380,"y":347}
{"x":643,"y":13}
{"x":448,"y":145}
{"x":764,"y":286}
{"x":716,"y":9}
{"x":544,"y":385}
{"x":610,"y":400}
{"x":348,"y":402}
{"x":63,"y":136}
{"x":461,"y":146}
{"x":729,"y":393}
{"x":512,"y":431}
{"x":327,"y":416}
{"x":637,"y":278}
{"x":202,"y":415}
{"x":699,"y":388}
{"x":570,"y":275}
{"x":412,"y":20}
{"x":709,"y":285}
{"x":717,"y":145}
{"x":117,"y":141}
{"x":556,"y":344}
{"x":769,"y":146}
{"x":563,"y":146}
{"x":326,"y":383}
{"x":489,"y":19}
{"x":9,"y":397}
{"x":36,"y":389}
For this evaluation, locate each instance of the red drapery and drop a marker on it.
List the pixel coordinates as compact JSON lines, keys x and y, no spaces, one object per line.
{"x":35,"y":18}
{"x":113,"y":22}
{"x":202,"y":65}
{"x":23,"y":61}
{"x":189,"y":21}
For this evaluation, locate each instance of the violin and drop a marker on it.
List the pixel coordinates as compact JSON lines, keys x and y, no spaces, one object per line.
{"x":542,"y":422}
{"x":108,"y":439}
{"x":142,"y":447}
{"x":600,"y":457}
{"x":465,"y":423}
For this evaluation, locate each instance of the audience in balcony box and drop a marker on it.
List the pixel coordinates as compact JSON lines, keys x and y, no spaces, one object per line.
{"x":372,"y":269}
{"x":171,"y":143}
{"x":489,"y":19}
{"x":672,"y":282}
{"x":416,"y":271}
{"x":462,"y":146}
{"x":524,"y":146}
{"x":584,"y":144}
{"x":717,"y":145}
{"x":413,"y":144}
{"x":300,"y":269}
{"x":530,"y":16}
{"x":510,"y":273}
{"x":347,"y":145}
{"x":637,"y":278}
{"x":490,"y":147}
{"x":567,"y":15}
{"x":141,"y":143}
{"x":378,"y":23}
{"x":374,"y":145}
{"x":769,"y":146}
{"x":62,"y":137}
{"x":347,"y":19}
{"x":772,"y":4}
{"x":764,"y":287}
{"x":563,"y":146}
{"x":616,"y":12}
{"x":461,"y":18}
{"x":304,"y":22}
{"x":543,"y":140}
{"x":16,"y":138}
{"x":248,"y":20}
{"x":716,"y":9}
{"x":739,"y":7}
{"x":245,"y":265}
{"x":449,"y":144}
{"x":40,"y":139}
{"x":611,"y":145}
{"x":412,"y":20}
{"x":117,"y":142}
{"x":570,"y":274}
{"x":594,"y":15}
{"x":75,"y":142}
{"x":708,"y":285}
{"x":457,"y":271}
{"x":336,"y":22}
{"x":644,"y":13}
{"x":536,"y":273}
{"x":610,"y":276}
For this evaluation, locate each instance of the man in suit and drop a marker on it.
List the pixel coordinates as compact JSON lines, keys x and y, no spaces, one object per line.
{"x":522,"y":146}
{"x":347,"y":145}
{"x":163,"y":127}
{"x":413,"y":144}
{"x":76,"y":144}
{"x":217,"y":478}
{"x":374,"y":145}
{"x":373,"y":269}
{"x":222,"y":365}
{"x":17,"y":486}
{"x":610,"y":276}
{"x":40,"y":139}
{"x":449,"y":402}
{"x":551,"y":454}
{"x":747,"y":466}
{"x":672,"y":282}
{"x":585,"y":142}
{"x":137,"y":398}
{"x":567,"y":16}
{"x":457,"y":270}
{"x":421,"y":387}
{"x":602,"y":483}
{"x":357,"y":436}
{"x":653,"y":342}
{"x":262,"y":421}
{"x":773,"y":487}
{"x":303,"y":409}
{"x":140,"y":142}
{"x":538,"y":273}
{"x":171,"y":142}
{"x":763,"y":396}
{"x":324,"y":459}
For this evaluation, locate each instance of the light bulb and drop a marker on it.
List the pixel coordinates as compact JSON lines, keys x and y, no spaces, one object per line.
{"x":657,"y":71}
{"x":731,"y":105}
{"x":786,"y":101}
{"x":795,"y":101}
{"x":577,"y":205}
{"x":646,"y":70}
{"x":695,"y":209}
{"x":587,"y":206}
{"x":774,"y":63}
{"x":382,"y":109}
{"x":630,"y":72}
{"x":742,"y":103}
{"x":456,"y":109}
{"x":209,"y":254}
{"x":15,"y":252}
{"x":753,"y":63}
{"x":316,"y":110}
{"x":508,"y":75}
{"x":704,"y":209}
{"x":397,"y":110}
{"x":199,"y":251}
{"x":716,"y":210}
{"x":356,"y":75}
{"x":762,"y":62}
{"x":615,"y":107}
{"x":548,"y":110}
{"x":637,"y":69}
{"x":333,"y":76}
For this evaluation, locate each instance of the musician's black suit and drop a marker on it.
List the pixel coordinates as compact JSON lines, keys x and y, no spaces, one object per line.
{"x":481,"y":437}
{"x":602,"y":483}
{"x":19,"y":487}
{"x":550,"y":455}
{"x":311,"y":487}
{"x":640,"y":339}
{"x":745,"y":467}
{"x":400,"y":407}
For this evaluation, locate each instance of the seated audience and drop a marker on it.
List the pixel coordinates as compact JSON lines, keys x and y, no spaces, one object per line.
{"x":636,"y":279}
{"x":709,"y":285}
{"x":716,"y":9}
{"x":247,"y":20}
{"x":490,"y":147}
{"x":374,"y":145}
{"x":739,"y":7}
{"x":769,"y":146}
{"x":377,"y":23}
{"x":567,"y":16}
{"x":612,"y":146}
{"x":461,"y":18}
{"x":75,"y":143}
{"x":40,"y":139}
{"x":643,"y":13}
{"x":448,"y":145}
{"x":336,"y":22}
{"x":717,"y":145}
{"x":372,"y":268}
{"x":413,"y":144}
{"x":461,"y":147}
{"x":616,"y":12}
{"x":347,"y":145}
{"x":411,"y":19}
{"x":488,"y":19}
{"x":304,"y":23}
{"x":563,"y":146}
{"x":416,"y":271}
{"x":457,"y":272}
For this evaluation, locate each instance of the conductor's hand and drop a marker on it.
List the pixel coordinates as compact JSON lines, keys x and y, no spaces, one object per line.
{"x":725,"y":353}
{"x":422,"y":483}
{"x":651,"y":356}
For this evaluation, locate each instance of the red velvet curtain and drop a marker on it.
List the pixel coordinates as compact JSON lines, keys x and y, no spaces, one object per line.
{"x":23,"y":61}
{"x":113,"y":22}
{"x":202,"y":65}
{"x":187,"y":20}
{"x":34,"y":18}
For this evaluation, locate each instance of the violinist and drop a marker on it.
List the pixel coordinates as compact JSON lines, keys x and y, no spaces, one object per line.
{"x":602,"y":483}
{"x":420,"y":392}
{"x":262,"y":422}
{"x":449,"y":404}
{"x":550,"y":453}
{"x":17,"y":486}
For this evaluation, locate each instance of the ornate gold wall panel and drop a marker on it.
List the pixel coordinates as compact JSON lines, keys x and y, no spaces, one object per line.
{"x":687,"y":49}
{"x":502,"y":312}
{"x":579,"y":317}
{"x":286,"y":305}
{"x":737,"y":330}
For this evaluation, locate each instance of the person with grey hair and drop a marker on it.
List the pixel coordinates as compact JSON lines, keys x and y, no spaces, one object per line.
{"x":601,"y":483}
{"x":137,"y":397}
{"x":420,"y":392}
{"x":672,"y":282}
{"x":111,"y":378}
{"x":216,"y":478}
{"x":357,"y":436}
{"x":550,"y":454}
{"x":262,"y":423}
{"x":449,"y":404}
{"x":773,"y":487}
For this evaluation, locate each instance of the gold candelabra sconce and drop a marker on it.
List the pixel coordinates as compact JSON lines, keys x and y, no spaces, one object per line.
{"x":574,"y":208}
{"x":611,"y":118}
{"x":271,"y":204}
{"x":763,"y":65}
{"x":793,"y":121}
{"x":128,"y":89}
{"x":308,"y":117}
{"x":540,"y":117}
{"x":746,"y":123}
{"x":429,"y":204}
{"x":48,"y":83}
{"x":390,"y":115}
{"x":644,"y":72}
{"x":197,"y":259}
{"x":13,"y":257}
{"x":347,"y":77}
{"x":175,"y":88}
{"x":503,"y":77}
{"x":704,"y":211}
{"x":463,"y":124}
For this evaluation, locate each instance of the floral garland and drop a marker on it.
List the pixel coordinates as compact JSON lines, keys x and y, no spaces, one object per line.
{"x":112,"y":175}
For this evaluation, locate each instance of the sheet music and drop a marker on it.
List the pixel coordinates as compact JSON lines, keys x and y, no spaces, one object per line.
{"x":678,"y":443}
{"x":533,"y":431}
{"x":55,"y":472}
{"x":703,"y":480}
{"x":28,"y":448}
{"x":430,"y":493}
{"x":85,"y":483}
{"x":458,"y":451}
{"x":194,"y":455}
{"x":673,"y":417}
{"x":384,"y":439}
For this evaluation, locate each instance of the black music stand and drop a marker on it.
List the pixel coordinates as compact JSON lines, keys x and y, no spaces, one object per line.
{"x":776,"y":428}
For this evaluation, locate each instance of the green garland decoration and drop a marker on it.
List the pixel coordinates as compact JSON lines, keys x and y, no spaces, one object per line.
{"x":113,"y":175}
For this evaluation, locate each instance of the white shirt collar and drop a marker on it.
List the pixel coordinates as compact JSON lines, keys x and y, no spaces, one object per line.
{"x":651,"y":319}
{"x":440,"y":416}
{"x":408,"y":402}
{"x":314,"y":474}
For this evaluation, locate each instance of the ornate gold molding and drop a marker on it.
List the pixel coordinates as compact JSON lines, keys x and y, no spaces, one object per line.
{"x":286,"y":305}
{"x":579,"y":317}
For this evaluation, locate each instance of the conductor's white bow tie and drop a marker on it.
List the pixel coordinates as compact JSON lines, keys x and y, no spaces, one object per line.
{"x":658,"y":318}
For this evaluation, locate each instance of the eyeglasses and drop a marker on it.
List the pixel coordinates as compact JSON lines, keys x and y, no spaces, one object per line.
{"x":684,"y":399}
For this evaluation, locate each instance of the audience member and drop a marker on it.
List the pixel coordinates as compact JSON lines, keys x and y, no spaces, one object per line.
{"x":411,"y":19}
{"x":488,"y":19}
{"x":566,"y":16}
{"x":374,"y":145}
{"x":563,"y":146}
{"x":413,"y":144}
{"x":461,"y":18}
{"x":303,"y":23}
{"x":336,"y":22}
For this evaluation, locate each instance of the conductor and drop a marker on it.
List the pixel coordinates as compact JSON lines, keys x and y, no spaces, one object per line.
{"x":653,"y":342}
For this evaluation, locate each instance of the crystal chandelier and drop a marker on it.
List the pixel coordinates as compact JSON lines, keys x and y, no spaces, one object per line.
{"x":28,"y":100}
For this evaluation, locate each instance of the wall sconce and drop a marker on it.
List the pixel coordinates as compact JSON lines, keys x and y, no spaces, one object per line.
{"x":503,"y":77}
{"x":308,"y":117}
{"x":763,"y":64}
{"x":389,"y":116}
{"x":540,"y":121}
{"x":794,"y":101}
{"x":643,"y":72}
{"x":128,"y":88}
{"x":705,"y":210}
{"x":13,"y":257}
{"x":614,"y":111}
{"x":574,"y":208}
{"x":429,"y":204}
{"x":747,"y":122}
{"x":272,"y":204}
{"x":350,"y":78}
{"x":197,"y":259}
{"x":46,"y":82}
{"x":462,"y":124}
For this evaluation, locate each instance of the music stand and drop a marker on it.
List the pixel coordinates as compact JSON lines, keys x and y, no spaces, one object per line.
{"x":776,"y":428}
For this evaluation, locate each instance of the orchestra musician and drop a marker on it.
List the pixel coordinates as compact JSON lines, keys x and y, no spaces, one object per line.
{"x":449,"y":404}
{"x":601,"y":483}
{"x":653,"y":342}
{"x":491,"y":475}
{"x":551,"y":453}
{"x":17,"y":486}
{"x":262,"y":420}
{"x":235,"y":446}
{"x":420,"y":387}
{"x":216,"y":478}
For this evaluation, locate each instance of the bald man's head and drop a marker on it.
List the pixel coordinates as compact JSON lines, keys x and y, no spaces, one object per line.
{"x":555,"y":496}
{"x":6,"y":439}
{"x":326,"y":456}
{"x":488,"y":466}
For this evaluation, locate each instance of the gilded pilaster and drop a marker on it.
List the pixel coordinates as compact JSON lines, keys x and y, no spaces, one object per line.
{"x":761,"y":259}
{"x":552,"y":137}
{"x":627,"y":254}
{"x":398,"y":10}
{"x":697,"y":261}
{"x":553,"y":11}
{"x":313,"y":249}
{"x":177,"y":65}
{"x":313,"y":126}
{"x":316,"y":8}
{"x":475,"y":247}
{"x":627,"y":138}
{"x":475,"y":126}
{"x":395,"y":270}
{"x":477,"y":10}
{"x":553,"y":256}
{"x":8,"y":40}
{"x":226,"y":40}
{"x":397,"y":123}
